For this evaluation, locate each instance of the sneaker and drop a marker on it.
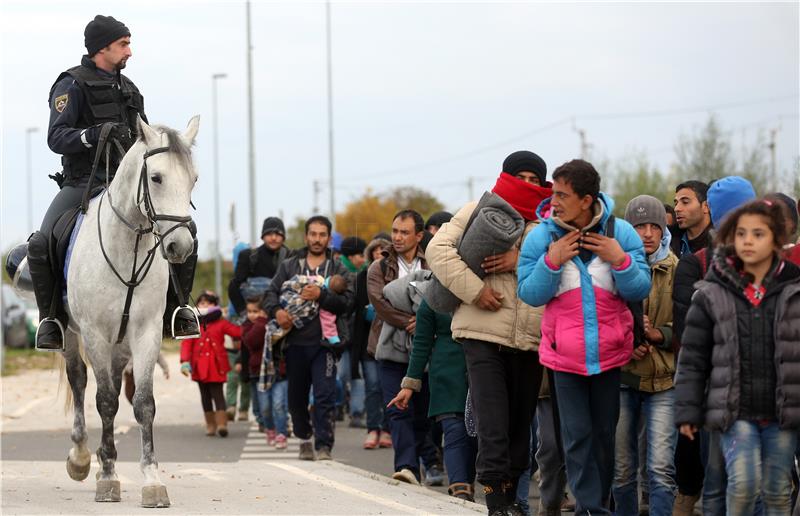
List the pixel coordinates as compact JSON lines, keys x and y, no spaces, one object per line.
{"x":407,"y":476}
{"x":434,"y":476}
{"x":306,"y":451}
{"x":271,"y":436}
{"x":242,"y":416}
{"x":230,"y":412}
{"x":357,"y":421}
{"x":324,"y":453}
{"x":281,"y":442}
{"x":385,"y":440}
{"x":371,"y":442}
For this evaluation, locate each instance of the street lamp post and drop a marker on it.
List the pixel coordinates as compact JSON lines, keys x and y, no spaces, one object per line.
{"x":217,"y":256}
{"x":29,"y":169}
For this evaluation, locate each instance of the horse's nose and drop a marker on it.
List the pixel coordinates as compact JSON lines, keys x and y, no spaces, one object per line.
{"x":171,"y":249}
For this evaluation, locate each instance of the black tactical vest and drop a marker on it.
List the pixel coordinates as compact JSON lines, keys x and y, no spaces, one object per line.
{"x":106,"y":100}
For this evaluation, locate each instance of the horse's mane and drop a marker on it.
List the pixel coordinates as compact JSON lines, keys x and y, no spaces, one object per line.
{"x":175,"y":145}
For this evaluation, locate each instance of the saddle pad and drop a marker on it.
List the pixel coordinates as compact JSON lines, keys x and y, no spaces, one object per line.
{"x":73,"y":236}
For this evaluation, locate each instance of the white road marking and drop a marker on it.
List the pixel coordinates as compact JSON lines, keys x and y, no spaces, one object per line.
{"x":345,"y":488}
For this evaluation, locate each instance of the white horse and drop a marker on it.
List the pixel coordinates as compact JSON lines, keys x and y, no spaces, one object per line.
{"x":151,"y":189}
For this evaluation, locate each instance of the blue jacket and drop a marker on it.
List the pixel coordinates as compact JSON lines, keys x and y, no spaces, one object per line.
{"x":587,"y":327}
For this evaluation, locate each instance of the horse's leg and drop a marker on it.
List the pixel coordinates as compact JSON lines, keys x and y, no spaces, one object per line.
{"x":145,"y":354}
{"x":79,"y":460}
{"x":108,"y":373}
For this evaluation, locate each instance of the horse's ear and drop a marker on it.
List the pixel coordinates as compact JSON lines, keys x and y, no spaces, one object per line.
{"x":148,"y":134}
{"x":191,"y":130}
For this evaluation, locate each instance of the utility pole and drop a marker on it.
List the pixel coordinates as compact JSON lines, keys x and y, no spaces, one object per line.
{"x":773,"y":133}
{"x":217,"y":222}
{"x":584,"y":144}
{"x":470,"y":188}
{"x":331,"y":183}
{"x":251,"y":137}
{"x":29,"y":167}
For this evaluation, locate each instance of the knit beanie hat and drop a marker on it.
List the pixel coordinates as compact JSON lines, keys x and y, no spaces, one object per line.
{"x":439,"y":218}
{"x":273,"y":225}
{"x":522,"y":161}
{"x":727,"y":194}
{"x":101,"y":32}
{"x":352,"y":245}
{"x":646,"y":209}
{"x":791,"y":206}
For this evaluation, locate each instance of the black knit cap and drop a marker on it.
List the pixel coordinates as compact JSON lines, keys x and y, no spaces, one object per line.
{"x":102,"y":31}
{"x":525,"y":161}
{"x":273,"y":225}
{"x":439,"y":218}
{"x":352,"y":245}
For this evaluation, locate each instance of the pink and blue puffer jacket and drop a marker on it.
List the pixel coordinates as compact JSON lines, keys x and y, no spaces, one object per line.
{"x":587,"y":327}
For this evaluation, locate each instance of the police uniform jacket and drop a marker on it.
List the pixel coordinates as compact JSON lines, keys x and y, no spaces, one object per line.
{"x":81,"y":100}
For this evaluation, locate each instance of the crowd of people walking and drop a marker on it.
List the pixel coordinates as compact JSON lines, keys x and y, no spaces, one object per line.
{"x":644,"y":363}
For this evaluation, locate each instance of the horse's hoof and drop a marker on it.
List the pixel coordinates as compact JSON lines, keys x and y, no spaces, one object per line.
{"x":107,"y":491}
{"x":78,"y":472}
{"x":155,"y":496}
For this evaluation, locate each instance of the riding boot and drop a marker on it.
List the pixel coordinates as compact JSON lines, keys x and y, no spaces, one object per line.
{"x":180,"y":320}
{"x":47,"y":288}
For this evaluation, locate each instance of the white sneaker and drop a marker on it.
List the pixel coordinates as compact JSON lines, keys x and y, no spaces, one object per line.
{"x":406,"y":475}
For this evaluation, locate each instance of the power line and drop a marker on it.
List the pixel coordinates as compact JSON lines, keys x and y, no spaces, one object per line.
{"x":557,"y":123}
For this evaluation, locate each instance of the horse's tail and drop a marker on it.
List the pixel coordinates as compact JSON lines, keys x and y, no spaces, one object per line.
{"x":73,"y":346}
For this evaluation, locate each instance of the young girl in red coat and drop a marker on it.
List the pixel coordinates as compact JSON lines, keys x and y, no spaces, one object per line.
{"x":206,"y":360}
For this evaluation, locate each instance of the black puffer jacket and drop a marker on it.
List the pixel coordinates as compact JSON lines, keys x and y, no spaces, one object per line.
{"x":738,"y":361}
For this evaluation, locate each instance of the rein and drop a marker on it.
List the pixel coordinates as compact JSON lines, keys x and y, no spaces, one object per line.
{"x":138,"y":271}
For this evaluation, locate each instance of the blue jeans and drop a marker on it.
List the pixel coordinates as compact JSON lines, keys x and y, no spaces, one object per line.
{"x":373,"y":400}
{"x":658,"y":413}
{"x":460,"y":451}
{"x":272,"y":406}
{"x":715,"y":479}
{"x":278,"y":406}
{"x":759,"y":460}
{"x":411,"y":428}
{"x":588,"y":409}
{"x":344,"y":378}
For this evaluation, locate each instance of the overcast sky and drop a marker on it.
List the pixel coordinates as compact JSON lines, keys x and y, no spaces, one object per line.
{"x":426,"y":93}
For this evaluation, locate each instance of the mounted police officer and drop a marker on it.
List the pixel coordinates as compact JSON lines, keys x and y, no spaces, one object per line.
{"x":82,"y":100}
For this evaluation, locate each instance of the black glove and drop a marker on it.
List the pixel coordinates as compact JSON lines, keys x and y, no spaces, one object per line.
{"x":119,"y":131}
{"x":122,"y":133}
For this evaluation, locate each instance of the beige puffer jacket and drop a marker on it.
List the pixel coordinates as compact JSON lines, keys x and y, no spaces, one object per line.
{"x":515,"y":324}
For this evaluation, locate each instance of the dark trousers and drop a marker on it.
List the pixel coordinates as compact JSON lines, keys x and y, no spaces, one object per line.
{"x":588,"y":408}
{"x":410,"y":428}
{"x":688,"y":466}
{"x":504,"y":385}
{"x":310,"y":367}
{"x":67,"y":198}
{"x":459,"y":450}
{"x":211,"y":391}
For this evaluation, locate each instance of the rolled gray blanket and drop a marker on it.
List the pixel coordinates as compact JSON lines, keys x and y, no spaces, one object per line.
{"x":404,"y":294}
{"x":494,"y":228}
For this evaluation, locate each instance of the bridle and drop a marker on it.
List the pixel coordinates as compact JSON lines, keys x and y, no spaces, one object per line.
{"x":138,"y":271}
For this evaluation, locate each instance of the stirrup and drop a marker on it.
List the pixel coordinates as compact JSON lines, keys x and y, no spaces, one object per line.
{"x":60,"y":329}
{"x":195,"y":335}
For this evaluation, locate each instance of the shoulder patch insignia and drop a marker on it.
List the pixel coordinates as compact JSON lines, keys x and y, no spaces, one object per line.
{"x":60,"y":102}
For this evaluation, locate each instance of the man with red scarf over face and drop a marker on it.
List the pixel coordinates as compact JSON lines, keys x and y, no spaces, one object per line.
{"x":499,"y":333}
